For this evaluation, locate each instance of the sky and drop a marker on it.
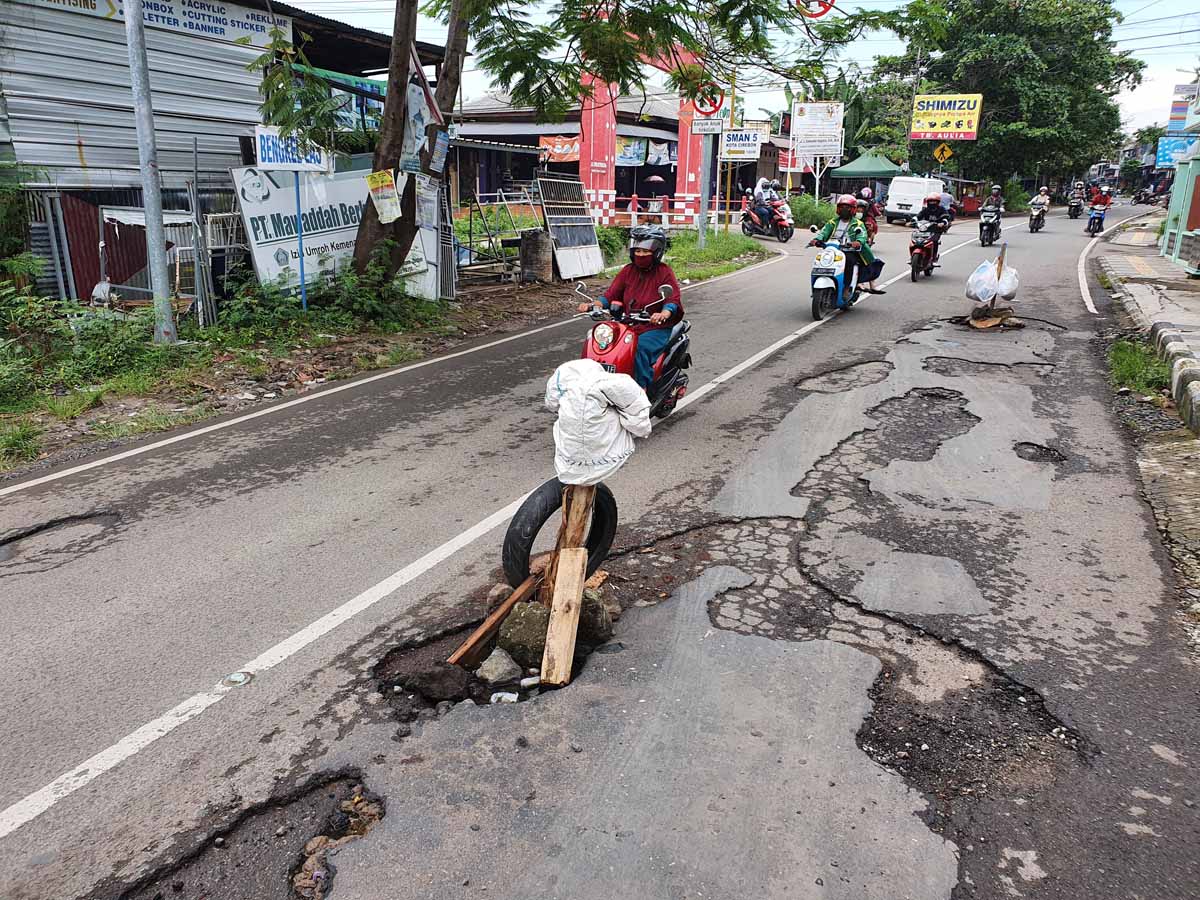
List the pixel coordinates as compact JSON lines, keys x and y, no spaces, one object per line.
{"x":1163,"y":33}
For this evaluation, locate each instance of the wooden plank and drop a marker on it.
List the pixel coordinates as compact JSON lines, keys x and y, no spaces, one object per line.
{"x":564,"y":616}
{"x":577,"y":515}
{"x":471,"y":649}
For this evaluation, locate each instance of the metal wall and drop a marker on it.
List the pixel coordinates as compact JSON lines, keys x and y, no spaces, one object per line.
{"x":67,"y":109}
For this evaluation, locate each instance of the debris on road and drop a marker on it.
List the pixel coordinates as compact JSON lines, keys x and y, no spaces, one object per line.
{"x":498,"y":668}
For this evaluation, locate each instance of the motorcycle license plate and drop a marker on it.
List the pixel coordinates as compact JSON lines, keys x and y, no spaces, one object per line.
{"x":823,"y":271}
{"x":609,"y":367}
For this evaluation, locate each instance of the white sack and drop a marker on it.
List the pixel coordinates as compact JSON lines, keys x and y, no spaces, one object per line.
{"x":599,"y":415}
{"x":981,"y":284}
{"x":1007,"y":286}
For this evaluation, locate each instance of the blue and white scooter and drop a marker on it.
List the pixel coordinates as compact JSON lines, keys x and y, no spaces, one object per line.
{"x":832,"y":288}
{"x":1095,"y":222}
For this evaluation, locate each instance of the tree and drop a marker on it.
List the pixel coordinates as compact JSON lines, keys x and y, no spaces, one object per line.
{"x":1131,"y":171}
{"x":1048,"y":71}
{"x":1149,"y":135}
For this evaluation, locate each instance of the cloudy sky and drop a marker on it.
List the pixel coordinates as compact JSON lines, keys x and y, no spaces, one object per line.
{"x":1157,"y":31}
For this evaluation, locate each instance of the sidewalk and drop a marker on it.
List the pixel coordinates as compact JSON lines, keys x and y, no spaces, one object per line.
{"x":1164,"y":302}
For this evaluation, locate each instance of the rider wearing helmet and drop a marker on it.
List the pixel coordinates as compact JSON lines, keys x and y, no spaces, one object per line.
{"x":1041,"y":200}
{"x":635,"y":290}
{"x":995,"y":199}
{"x":933,"y":211}
{"x":1103,"y":197}
{"x":1079,"y":192}
{"x":851,"y":233}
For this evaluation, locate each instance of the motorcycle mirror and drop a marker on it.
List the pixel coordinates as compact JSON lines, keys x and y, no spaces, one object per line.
{"x":664,"y":291}
{"x":581,"y":288}
{"x":813,"y":229}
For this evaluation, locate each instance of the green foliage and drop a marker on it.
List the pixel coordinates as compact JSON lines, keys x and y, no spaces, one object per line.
{"x":16,"y":382}
{"x":19,"y":442}
{"x":22,"y":266}
{"x":614,"y":243}
{"x":1135,"y":365}
{"x":375,"y":296}
{"x":1149,"y":135}
{"x":294,"y":99}
{"x":1131,"y":170}
{"x":808,"y":210}
{"x":12,"y":211}
{"x":723,"y":252}
{"x":72,"y":405}
{"x":1015,"y":197}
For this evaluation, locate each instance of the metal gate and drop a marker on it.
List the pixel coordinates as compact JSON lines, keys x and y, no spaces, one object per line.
{"x":447,"y":263}
{"x":569,"y":219}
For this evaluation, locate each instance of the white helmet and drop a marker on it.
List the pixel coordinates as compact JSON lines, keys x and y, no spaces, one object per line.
{"x":1044,"y":190}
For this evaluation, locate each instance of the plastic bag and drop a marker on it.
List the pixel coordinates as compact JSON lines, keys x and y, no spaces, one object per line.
{"x":1006,"y":289}
{"x":982,"y":284}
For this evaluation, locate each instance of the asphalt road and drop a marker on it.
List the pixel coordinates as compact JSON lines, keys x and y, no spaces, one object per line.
{"x":300,"y":545}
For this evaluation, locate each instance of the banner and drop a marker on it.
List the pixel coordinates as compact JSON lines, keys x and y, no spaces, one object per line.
{"x":331,"y":207}
{"x":560,"y":149}
{"x":660,"y":153}
{"x":383,"y":193}
{"x":740,"y":145}
{"x":1178,"y":117}
{"x":441,"y":147}
{"x":422,"y":112}
{"x":794,"y":162}
{"x":631,"y":151}
{"x":946,"y":117}
{"x":817,"y":128}
{"x":198,"y":18}
{"x":1172,"y":149}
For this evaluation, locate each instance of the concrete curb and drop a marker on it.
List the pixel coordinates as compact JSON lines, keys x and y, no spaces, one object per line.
{"x":1170,"y":343}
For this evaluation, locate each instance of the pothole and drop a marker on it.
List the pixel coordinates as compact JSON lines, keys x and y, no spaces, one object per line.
{"x":957,"y":367}
{"x":856,"y":375}
{"x":1037,"y":452}
{"x":282,"y":849}
{"x":71,"y":533}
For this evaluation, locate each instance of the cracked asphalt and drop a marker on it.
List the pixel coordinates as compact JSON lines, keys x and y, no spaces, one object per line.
{"x":899,"y":624}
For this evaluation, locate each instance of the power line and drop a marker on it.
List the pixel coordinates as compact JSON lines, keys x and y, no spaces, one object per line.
{"x":1147,"y":37}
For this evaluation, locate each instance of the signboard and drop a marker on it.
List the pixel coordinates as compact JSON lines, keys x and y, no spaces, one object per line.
{"x":709,"y":125}
{"x":660,"y":153}
{"x":762,"y":126}
{"x":280,"y":154}
{"x":441,"y":146}
{"x":422,"y":112}
{"x":200,"y":18}
{"x":792,"y":162}
{"x":946,"y":117}
{"x":942,"y":153}
{"x":740,"y":145}
{"x":383,"y":193}
{"x":1187,"y":91}
{"x":817,"y":128}
{"x":331,"y":207}
{"x":1178,"y":117}
{"x":1172,"y":148}
{"x":710,"y":100}
{"x":560,"y":148}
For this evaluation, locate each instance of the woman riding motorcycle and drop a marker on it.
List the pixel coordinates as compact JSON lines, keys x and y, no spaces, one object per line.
{"x":1041,"y":200}
{"x":636,"y":288}
{"x":851,"y":233}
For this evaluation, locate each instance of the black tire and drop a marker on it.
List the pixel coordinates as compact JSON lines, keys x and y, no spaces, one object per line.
{"x":890,"y":220}
{"x":822,"y":301}
{"x":929,"y":272}
{"x":747,"y":229}
{"x":915,"y":263}
{"x":538,"y":508}
{"x":784,"y":233}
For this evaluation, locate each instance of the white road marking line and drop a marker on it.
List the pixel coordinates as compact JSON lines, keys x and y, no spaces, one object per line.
{"x":1081,"y":265}
{"x":318,"y":395}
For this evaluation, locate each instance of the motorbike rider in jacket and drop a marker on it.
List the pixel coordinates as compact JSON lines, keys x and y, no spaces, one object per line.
{"x":635,"y":288}
{"x":1041,"y":200}
{"x":851,"y":233}
{"x":765,"y":191}
{"x":938,"y":215}
{"x":995,"y":199}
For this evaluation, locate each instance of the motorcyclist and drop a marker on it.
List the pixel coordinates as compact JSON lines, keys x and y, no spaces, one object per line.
{"x":1041,"y":201}
{"x":1103,"y":197}
{"x":936,"y":214}
{"x":1079,"y":193}
{"x":995,"y":199}
{"x":764,"y":193}
{"x":848,"y":230}
{"x":635,"y":289}
{"x":870,"y":214}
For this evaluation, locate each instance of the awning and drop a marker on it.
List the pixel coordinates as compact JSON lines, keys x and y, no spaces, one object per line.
{"x":469,"y":144}
{"x":869,"y":165}
{"x":135,"y":215}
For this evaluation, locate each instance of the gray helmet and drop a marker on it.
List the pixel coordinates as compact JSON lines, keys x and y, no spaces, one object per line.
{"x":648,"y":237}
{"x":995,"y":188}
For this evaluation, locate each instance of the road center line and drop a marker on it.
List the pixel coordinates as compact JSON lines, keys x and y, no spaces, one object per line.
{"x":319,"y":395}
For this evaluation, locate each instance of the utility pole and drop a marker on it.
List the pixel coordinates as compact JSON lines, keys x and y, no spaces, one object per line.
{"x":908,"y":129}
{"x":705,"y":190}
{"x":729,"y":163}
{"x":143,"y":115}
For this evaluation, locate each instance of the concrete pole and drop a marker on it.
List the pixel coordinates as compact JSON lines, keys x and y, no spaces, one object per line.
{"x":143,"y":115}
{"x":705,"y":189}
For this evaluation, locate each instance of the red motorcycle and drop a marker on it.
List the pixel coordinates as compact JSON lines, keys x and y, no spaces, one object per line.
{"x":613,"y":343}
{"x":779,"y":227}
{"x":923,"y":247}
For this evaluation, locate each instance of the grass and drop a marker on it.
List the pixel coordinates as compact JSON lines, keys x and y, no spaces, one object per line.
{"x":19,"y":442}
{"x":145,"y":422}
{"x":1105,"y":281}
{"x":1135,"y":365}
{"x":73,"y":405}
{"x":720,"y":254}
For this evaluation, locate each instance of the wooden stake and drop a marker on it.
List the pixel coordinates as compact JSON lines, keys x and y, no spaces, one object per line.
{"x":564,"y":616}
{"x":472,"y":648}
{"x":999,"y":270}
{"x":577,"y":515}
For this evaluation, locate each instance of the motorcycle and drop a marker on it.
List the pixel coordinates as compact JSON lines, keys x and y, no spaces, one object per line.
{"x":1074,"y":208}
{"x":1037,"y":219}
{"x":923,"y":249}
{"x":1095,"y":222}
{"x":832,"y":287}
{"x":989,"y":225}
{"x":780,"y":227}
{"x":613,"y":343}
{"x":1141,"y":196}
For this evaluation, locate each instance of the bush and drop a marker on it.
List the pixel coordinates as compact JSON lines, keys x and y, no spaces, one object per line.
{"x":614,"y":243}
{"x":16,"y":381}
{"x":808,"y":210}
{"x":1015,"y":196}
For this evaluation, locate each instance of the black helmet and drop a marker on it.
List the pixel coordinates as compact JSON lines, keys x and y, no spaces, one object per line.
{"x":648,"y":237}
{"x":775,"y":184}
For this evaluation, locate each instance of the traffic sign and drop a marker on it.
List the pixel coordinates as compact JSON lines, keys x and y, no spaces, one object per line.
{"x":709,"y":100}
{"x":942,"y":153}
{"x":711,"y":125}
{"x":814,"y":9}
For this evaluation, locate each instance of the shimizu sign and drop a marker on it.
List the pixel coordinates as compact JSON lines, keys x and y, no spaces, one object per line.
{"x":946,"y":117}
{"x":199,"y":18}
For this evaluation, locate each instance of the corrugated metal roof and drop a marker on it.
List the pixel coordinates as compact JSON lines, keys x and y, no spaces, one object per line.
{"x":657,"y":107}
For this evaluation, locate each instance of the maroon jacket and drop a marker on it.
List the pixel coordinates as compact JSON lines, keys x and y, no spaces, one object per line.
{"x":636,"y":289}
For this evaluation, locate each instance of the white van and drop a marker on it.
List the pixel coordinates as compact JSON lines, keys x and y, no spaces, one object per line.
{"x":907,"y":194}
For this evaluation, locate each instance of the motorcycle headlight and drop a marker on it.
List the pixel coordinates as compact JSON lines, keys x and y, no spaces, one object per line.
{"x":827,"y":258}
{"x":603,"y":335}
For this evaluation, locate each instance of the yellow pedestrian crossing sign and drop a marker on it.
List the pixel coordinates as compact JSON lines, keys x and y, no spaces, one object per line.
{"x":942,"y":153}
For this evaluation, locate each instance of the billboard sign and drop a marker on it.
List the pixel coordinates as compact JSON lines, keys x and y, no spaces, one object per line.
{"x":214,"y":21}
{"x":1172,"y":148}
{"x":946,"y":117}
{"x":817,"y":128}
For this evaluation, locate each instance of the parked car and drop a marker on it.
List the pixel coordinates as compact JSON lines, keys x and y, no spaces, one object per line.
{"x":906,"y":194}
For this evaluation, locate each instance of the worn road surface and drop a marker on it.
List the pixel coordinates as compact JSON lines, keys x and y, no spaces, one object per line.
{"x":900,"y":626}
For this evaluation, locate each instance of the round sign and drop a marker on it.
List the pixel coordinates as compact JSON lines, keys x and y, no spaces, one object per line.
{"x":709,"y":100}
{"x":814,"y":9}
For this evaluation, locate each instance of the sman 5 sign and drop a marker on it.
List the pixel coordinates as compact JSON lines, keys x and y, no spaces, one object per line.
{"x":946,"y":117}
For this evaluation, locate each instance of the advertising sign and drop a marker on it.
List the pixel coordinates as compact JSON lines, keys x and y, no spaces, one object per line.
{"x":422,"y":112}
{"x":560,"y":148}
{"x":817,"y":128}
{"x":279,"y":154}
{"x":199,"y":18}
{"x":331,"y":207}
{"x":631,"y":151}
{"x":383,"y":194}
{"x":946,"y":117}
{"x":1178,"y":117}
{"x":1173,"y":148}
{"x":740,"y":145}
